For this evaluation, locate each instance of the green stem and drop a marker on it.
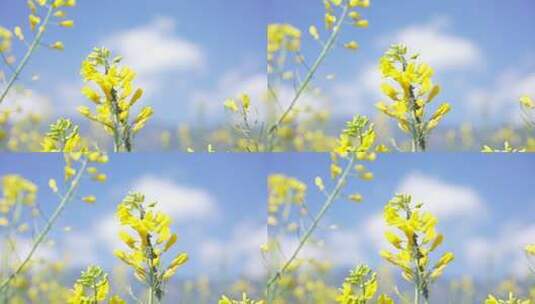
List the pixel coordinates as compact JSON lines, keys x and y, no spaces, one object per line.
{"x":330,"y":199}
{"x":323,"y":54}
{"x":151,"y":296}
{"x":36,"y":41}
{"x":66,"y":198}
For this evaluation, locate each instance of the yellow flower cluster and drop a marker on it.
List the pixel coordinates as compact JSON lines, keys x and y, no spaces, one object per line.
{"x":284,"y":190}
{"x":283,"y":37}
{"x":416,"y":240}
{"x":360,"y":287}
{"x":244,"y":300}
{"x":507,"y":148}
{"x":116,"y":99}
{"x":510,"y":300}
{"x":15,"y":190}
{"x":5,"y":39}
{"x":63,"y":137}
{"x":55,"y":8}
{"x":530,"y":249}
{"x":92,"y":287}
{"x":414,"y":92}
{"x":358,"y":137}
{"x":330,"y":18}
{"x":153,"y":239}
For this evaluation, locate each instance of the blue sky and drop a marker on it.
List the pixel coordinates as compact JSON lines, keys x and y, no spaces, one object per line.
{"x":481,"y":52}
{"x":185,"y":52}
{"x":212,"y":50}
{"x":214,"y":201}
{"x":484,"y":204}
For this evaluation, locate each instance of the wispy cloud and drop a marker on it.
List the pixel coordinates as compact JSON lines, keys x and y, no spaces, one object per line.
{"x":155,"y":50}
{"x":181,"y":202}
{"x":438,"y":46}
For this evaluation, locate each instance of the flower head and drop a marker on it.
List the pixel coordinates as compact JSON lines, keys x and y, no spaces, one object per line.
{"x":117,"y":96}
{"x":153,"y":238}
{"x":410,"y":90}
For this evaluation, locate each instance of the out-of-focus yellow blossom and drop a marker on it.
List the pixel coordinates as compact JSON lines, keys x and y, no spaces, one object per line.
{"x":52,"y":184}
{"x":414,"y":91}
{"x":527,"y":102}
{"x":16,"y":190}
{"x":90,"y":199}
{"x":116,"y":98}
{"x":18,"y":33}
{"x":283,"y":36}
{"x":5,"y":39}
{"x":360,"y":287}
{"x":58,"y":45}
{"x":313,"y":31}
{"x":352,"y":45}
{"x":34,"y":21}
{"x":231,"y":105}
{"x":530,"y":249}
{"x":38,"y":20}
{"x":358,"y":137}
{"x":284,"y":190}
{"x":92,"y":287}
{"x":415,"y":239}
{"x":153,"y":238}
{"x":506,"y":148}
{"x":67,"y":23}
{"x":63,"y":136}
{"x":319,"y":183}
{"x":244,"y":300}
{"x":512,"y":299}
{"x":355,"y":197}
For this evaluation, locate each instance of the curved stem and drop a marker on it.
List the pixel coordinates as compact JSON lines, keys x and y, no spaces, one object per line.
{"x":66,"y":198}
{"x":326,"y":48}
{"x":330,"y":199}
{"x":36,"y":41}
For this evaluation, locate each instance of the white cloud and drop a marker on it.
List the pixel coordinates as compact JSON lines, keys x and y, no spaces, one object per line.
{"x":359,"y":95}
{"x":23,"y":102}
{"x":155,"y":48}
{"x":237,"y":250}
{"x":80,"y":249}
{"x":231,"y":84}
{"x":375,"y":228}
{"x":442,"y":50}
{"x":22,"y":246}
{"x":182,"y":203}
{"x":341,"y":247}
{"x":344,"y":247}
{"x":443,"y":199}
{"x":502,"y":97}
{"x":505,"y":250}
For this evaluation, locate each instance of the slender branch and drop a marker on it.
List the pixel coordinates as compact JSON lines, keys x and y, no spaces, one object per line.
{"x":330,"y":199}
{"x":36,"y":41}
{"x":64,"y":201}
{"x":323,"y":54}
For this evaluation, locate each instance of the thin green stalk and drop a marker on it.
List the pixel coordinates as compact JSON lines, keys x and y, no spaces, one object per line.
{"x":330,"y":199}
{"x":323,"y":54}
{"x":64,"y":201}
{"x":36,"y":41}
{"x":151,"y":296}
